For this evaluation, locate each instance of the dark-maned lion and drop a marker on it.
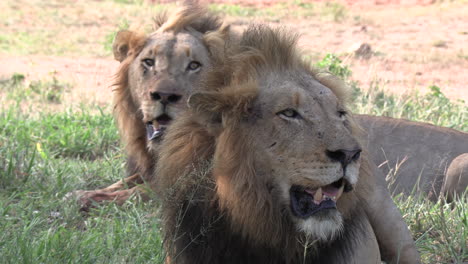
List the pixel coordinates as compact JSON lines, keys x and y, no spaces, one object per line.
{"x":266,"y":167}
{"x":418,"y":157}
{"x":156,"y":75}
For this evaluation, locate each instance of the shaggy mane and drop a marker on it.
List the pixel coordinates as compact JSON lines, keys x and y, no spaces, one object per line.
{"x":264,"y":49}
{"x":190,"y":15}
{"x":228,"y":197}
{"x":126,"y":112}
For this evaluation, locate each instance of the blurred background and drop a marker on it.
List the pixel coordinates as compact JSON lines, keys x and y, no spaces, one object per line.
{"x":397,"y":46}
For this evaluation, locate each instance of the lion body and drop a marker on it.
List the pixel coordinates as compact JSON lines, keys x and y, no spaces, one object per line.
{"x":417,"y":157}
{"x":236,"y":182}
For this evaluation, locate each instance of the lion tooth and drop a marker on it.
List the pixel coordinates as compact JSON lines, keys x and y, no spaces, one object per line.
{"x":340,"y":192}
{"x":318,"y":195}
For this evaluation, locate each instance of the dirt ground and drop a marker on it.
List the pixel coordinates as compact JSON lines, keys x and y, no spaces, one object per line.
{"x":91,"y":78}
{"x":413,"y":44}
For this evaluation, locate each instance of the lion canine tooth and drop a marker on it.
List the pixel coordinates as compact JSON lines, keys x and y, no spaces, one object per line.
{"x":318,"y":195}
{"x":340,"y":192}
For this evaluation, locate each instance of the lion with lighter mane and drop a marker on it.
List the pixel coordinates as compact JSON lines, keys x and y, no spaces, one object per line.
{"x":157,"y":73}
{"x":266,"y":166}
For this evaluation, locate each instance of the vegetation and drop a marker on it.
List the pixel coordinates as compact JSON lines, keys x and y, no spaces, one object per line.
{"x":44,"y":155}
{"x":433,"y":107}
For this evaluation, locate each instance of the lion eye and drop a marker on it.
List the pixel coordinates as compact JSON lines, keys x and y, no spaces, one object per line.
{"x":289,"y":113}
{"x":194,"y":65}
{"x":148,"y":62}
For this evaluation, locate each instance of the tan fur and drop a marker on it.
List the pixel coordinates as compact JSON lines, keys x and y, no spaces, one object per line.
{"x":456,"y":178}
{"x":126,"y":106}
{"x":190,"y":15}
{"x":178,"y":40}
{"x":225,"y":168}
{"x":418,"y":157}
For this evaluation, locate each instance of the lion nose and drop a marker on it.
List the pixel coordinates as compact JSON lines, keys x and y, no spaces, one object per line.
{"x":344,"y":156}
{"x":165,"y":98}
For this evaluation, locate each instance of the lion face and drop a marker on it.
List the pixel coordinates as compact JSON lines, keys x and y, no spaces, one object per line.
{"x":156,"y":74}
{"x":163,"y":74}
{"x":294,"y":135}
{"x":283,"y":152}
{"x":305,"y":137}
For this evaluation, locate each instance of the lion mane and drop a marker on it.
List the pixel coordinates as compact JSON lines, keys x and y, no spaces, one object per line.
{"x":217,"y":207}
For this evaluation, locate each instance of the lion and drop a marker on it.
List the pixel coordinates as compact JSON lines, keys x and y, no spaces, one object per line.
{"x":195,"y":21}
{"x":157,"y":72}
{"x":266,"y":166}
{"x":418,"y":157}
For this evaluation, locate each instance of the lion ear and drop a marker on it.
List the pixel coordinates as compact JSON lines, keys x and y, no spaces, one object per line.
{"x":216,"y":41}
{"x":207,"y":105}
{"x":125,"y":41}
{"x":214,"y":106}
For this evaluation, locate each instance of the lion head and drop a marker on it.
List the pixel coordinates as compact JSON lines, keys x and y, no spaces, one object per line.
{"x":157,"y":73}
{"x":283,"y":151}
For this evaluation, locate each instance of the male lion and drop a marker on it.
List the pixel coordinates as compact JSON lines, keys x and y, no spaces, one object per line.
{"x":266,"y":167}
{"x":156,"y":74}
{"x":191,"y":25}
{"x":418,"y":157}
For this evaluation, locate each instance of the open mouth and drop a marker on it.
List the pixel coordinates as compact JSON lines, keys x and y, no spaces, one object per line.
{"x":155,"y":129}
{"x":306,"y":201}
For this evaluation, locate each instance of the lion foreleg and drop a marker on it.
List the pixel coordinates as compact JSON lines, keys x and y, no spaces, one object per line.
{"x":395,"y":240}
{"x":368,"y":251}
{"x":88,"y":199}
{"x":128,"y":182}
{"x":117,"y":192}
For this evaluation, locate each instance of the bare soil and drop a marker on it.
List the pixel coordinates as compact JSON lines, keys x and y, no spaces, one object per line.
{"x":414,"y":44}
{"x":91,"y":78}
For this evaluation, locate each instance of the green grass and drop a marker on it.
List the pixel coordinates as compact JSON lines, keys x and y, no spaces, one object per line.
{"x":41,"y":229}
{"x":433,"y":106}
{"x":440,"y":230}
{"x":45,"y":155}
{"x":43,"y":91}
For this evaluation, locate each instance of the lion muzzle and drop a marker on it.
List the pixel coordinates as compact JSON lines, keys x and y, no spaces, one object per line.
{"x":306,"y":202}
{"x":156,"y":128}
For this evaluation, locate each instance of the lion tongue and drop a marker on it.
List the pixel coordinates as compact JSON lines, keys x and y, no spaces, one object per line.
{"x":153,"y":131}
